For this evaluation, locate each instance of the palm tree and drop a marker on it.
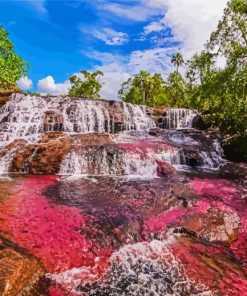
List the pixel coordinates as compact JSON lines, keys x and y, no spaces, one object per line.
{"x":177,"y":60}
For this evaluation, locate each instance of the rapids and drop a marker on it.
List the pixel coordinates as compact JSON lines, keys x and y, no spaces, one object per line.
{"x":104,"y":198}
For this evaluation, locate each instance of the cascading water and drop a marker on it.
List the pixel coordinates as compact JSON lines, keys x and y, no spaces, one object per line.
{"x":116,"y":161}
{"x":179,"y":118}
{"x":26,"y":117}
{"x":105,"y":235}
{"x":136,"y":118}
{"x":213,"y":159}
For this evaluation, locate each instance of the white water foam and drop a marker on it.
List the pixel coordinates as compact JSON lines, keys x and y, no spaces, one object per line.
{"x":147,"y":268}
{"x":108,"y":162}
{"x":23,"y":117}
{"x":179,"y":118}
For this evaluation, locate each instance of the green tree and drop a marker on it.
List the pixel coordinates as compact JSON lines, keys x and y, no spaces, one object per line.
{"x":176,"y":90}
{"x":177,"y":60}
{"x":221,"y":93}
{"x":12,"y":67}
{"x":230,"y":37}
{"x":88,"y":87}
{"x":144,"y":89}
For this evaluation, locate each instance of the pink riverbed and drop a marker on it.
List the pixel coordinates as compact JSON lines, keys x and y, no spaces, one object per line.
{"x":79,"y":247}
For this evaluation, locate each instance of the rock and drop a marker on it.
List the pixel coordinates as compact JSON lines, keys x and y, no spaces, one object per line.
{"x":215,"y":225}
{"x":53,"y":121}
{"x":91,"y":139}
{"x":234,"y":170}
{"x":210,"y":266}
{"x":19,"y":272}
{"x":192,"y":157}
{"x":159,"y":111}
{"x":46,"y":137}
{"x":199,"y":123}
{"x":41,"y":158}
{"x":164,"y":168}
{"x":154,"y":132}
{"x":6,"y":93}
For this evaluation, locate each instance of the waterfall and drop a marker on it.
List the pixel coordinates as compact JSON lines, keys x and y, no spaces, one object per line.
{"x":178,"y":118}
{"x":111,"y":160}
{"x":136,"y":117}
{"x":213,"y":159}
{"x":27,"y":117}
{"x":5,"y":161}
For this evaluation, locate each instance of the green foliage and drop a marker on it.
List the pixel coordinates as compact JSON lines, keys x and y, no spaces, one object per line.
{"x":88,"y":87}
{"x":176,"y":87}
{"x":177,"y":60}
{"x":144,"y":89}
{"x":230,"y":37}
{"x":222,"y":93}
{"x":12,"y":67}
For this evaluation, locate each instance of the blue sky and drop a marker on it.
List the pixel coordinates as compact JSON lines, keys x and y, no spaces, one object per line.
{"x":59,"y":38}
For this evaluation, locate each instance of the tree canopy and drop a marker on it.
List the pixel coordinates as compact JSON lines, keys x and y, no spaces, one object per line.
{"x":177,"y":60}
{"x":88,"y":86}
{"x":215,"y":80}
{"x":12,"y":67}
{"x":222,"y":91}
{"x":144,"y":88}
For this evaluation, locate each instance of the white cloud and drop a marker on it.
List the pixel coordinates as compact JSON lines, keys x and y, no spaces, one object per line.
{"x":153,"y":27}
{"x":112,"y":82}
{"x":47,"y":85}
{"x":118,"y":69}
{"x":156,"y":60}
{"x":191,"y":21}
{"x":105,"y":58}
{"x":114,"y":67}
{"x":130,"y":12}
{"x":39,"y":5}
{"x":25,"y":83}
{"x":111,"y":37}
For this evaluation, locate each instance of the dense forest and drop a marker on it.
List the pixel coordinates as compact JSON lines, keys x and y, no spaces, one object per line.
{"x":213,"y":81}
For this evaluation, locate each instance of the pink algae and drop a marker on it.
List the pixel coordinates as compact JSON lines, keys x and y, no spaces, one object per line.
{"x":160,"y":223}
{"x":54,"y":291}
{"x":203,"y":264}
{"x":233,"y":284}
{"x":143,"y":146}
{"x":218,"y":187}
{"x":48,"y":231}
{"x":225,"y":195}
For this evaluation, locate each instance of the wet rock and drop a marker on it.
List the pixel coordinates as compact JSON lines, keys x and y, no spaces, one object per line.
{"x":91,"y":139}
{"x":46,"y":137}
{"x":198,"y":122}
{"x":53,"y":121}
{"x":19,"y":272}
{"x":5,"y":94}
{"x":42,"y":158}
{"x":159,"y":111}
{"x":210,"y":264}
{"x":215,"y":225}
{"x":192,"y":157}
{"x":165,"y":169}
{"x":237,"y":171}
{"x":154,"y":132}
